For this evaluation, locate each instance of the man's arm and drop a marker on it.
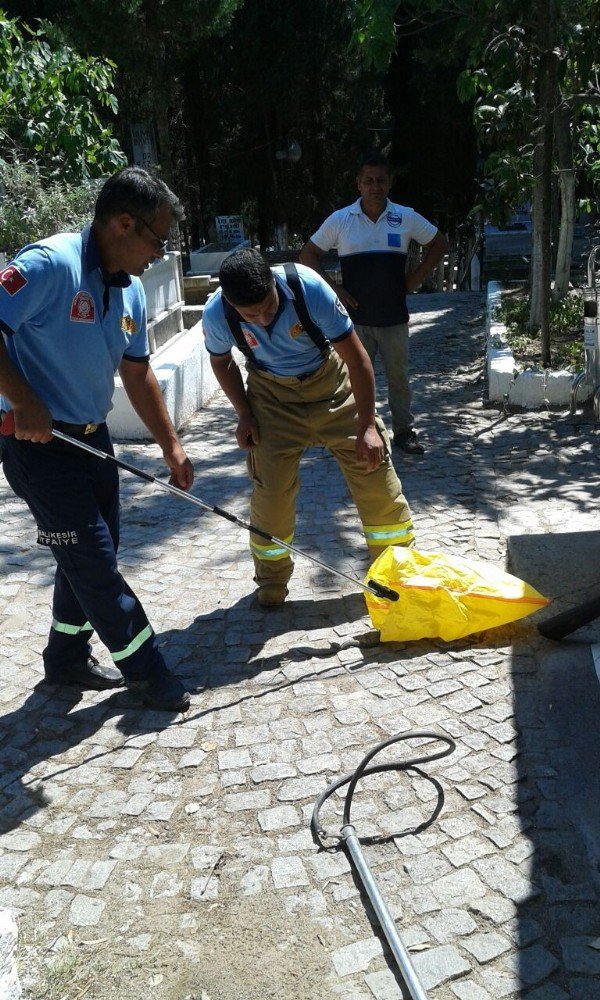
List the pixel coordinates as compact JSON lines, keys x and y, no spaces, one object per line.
{"x":434,"y":251}
{"x":33,"y":421}
{"x":229,"y":377}
{"x":146,"y":398}
{"x":311,"y":255}
{"x":369,"y":446}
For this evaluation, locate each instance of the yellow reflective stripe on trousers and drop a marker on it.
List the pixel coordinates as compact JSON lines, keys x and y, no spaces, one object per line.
{"x":133,"y":645}
{"x":70,"y":629}
{"x":270,"y":552}
{"x":389,"y":534}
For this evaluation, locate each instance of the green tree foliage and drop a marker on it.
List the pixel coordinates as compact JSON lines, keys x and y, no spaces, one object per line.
{"x":54,"y":104}
{"x":283,"y":73}
{"x":33,"y":207}
{"x":148,"y":40}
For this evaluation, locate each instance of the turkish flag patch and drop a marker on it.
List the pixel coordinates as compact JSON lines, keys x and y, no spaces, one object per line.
{"x":249,"y":338}
{"x":82,"y":308}
{"x":11,"y":279}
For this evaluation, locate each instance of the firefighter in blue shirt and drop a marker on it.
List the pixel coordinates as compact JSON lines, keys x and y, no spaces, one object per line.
{"x":72,"y":312}
{"x":310,"y":382}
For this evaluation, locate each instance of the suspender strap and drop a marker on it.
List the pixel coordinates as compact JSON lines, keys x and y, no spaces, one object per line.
{"x":311,"y":328}
{"x":235,"y":326}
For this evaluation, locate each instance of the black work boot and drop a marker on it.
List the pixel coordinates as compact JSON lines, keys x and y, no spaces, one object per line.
{"x":89,"y":675}
{"x":161,"y":690}
{"x":408,"y":442}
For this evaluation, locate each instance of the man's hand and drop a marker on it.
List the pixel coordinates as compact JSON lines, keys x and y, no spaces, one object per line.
{"x":33,"y":422}
{"x":369,"y":448}
{"x":246,"y":433}
{"x":182,"y":470}
{"x":345,"y":298}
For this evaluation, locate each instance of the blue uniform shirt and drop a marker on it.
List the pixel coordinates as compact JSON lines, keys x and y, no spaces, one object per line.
{"x":284,"y":348}
{"x":66,"y":325}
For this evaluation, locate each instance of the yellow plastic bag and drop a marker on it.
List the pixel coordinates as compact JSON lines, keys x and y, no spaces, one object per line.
{"x":444,"y":596}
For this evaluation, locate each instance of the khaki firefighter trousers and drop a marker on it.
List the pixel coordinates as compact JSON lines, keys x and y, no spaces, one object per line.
{"x":294,"y":414}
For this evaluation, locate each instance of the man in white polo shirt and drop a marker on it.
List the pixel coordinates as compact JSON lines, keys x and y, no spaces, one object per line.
{"x":372,"y":238}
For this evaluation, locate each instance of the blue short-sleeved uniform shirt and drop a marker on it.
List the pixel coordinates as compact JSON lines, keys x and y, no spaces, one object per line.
{"x":373,"y":257}
{"x":284,"y":348}
{"x":66,"y":325}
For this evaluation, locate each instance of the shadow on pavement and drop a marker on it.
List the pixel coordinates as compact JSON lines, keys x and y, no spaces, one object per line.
{"x":557,"y":711}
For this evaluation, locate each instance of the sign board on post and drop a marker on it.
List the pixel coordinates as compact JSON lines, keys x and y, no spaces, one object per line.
{"x":230,"y":229}
{"x":144,"y":146}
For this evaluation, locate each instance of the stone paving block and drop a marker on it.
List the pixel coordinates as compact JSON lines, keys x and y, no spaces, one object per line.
{"x":505,"y":878}
{"x":327,"y":866}
{"x":486,"y":946}
{"x":288,"y":872}
{"x":450,"y":923}
{"x":278,"y":818}
{"x":580,"y":956}
{"x":295,"y":789}
{"x":469,"y":990}
{"x":438,"y":965}
{"x":272,"y":772}
{"x":426,"y":868}
{"x":462,"y":852}
{"x":241,"y":801}
{"x":126,"y":758}
{"x":204,"y":889}
{"x":552,"y":992}
{"x":86,"y":911}
{"x":193,"y":759}
{"x":20,"y":840}
{"x":356,"y":957}
{"x":233,"y":759}
{"x":162,"y":810}
{"x":458,"y":889}
{"x":383,"y":985}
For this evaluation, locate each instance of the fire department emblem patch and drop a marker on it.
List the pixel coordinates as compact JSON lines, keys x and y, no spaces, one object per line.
{"x":250,"y":338}
{"x":394,"y":219}
{"x":11,"y":280}
{"x":82,"y":308}
{"x":128,"y":325}
{"x":296,"y":330}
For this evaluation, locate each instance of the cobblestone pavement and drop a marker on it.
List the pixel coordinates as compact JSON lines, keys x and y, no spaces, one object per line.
{"x":147,"y":856}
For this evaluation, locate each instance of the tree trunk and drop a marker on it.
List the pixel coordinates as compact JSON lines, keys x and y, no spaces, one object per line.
{"x":541,"y":256}
{"x":566,"y":177}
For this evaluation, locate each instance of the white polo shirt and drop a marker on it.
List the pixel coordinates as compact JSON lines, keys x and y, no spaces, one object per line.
{"x":373,"y":257}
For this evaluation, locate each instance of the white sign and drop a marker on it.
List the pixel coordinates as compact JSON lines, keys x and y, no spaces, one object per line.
{"x":230,"y":229}
{"x":144,"y":146}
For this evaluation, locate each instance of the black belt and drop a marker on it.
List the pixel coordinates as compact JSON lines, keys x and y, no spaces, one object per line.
{"x":75,"y":428}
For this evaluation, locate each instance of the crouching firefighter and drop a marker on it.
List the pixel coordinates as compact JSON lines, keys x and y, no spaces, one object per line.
{"x":310,"y":382}
{"x":72,"y":311}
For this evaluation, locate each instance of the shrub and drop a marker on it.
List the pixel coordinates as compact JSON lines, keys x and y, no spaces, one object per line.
{"x":33,"y":207}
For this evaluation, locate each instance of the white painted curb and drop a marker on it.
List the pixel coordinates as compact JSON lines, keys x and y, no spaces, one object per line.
{"x":508,"y":382}
{"x":10,"y":987}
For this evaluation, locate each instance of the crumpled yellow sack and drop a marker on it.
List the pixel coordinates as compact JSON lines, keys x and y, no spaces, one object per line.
{"x":444,"y":596}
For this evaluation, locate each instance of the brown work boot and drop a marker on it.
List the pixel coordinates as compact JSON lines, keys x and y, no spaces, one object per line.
{"x":272,"y":595}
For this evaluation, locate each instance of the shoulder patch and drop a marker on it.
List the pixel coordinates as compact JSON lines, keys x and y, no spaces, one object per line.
{"x":250,"y":338}
{"x":341,"y":308}
{"x":82,"y":308}
{"x":128,"y":325}
{"x":11,"y":279}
